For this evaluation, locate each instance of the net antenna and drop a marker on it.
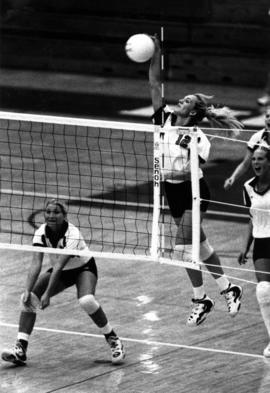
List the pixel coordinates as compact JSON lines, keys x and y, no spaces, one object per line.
{"x":162,"y":192}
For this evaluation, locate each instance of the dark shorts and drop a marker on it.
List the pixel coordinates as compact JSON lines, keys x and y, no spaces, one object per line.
{"x":179,"y":197}
{"x":67,"y":277}
{"x":261,"y":248}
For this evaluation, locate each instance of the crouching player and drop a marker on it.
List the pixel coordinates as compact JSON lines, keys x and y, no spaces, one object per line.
{"x":66,"y":270}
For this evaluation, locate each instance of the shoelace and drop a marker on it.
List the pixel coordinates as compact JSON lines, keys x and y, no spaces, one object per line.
{"x":19,"y":350}
{"x":196,"y":310}
{"x":229,"y":296}
{"x":114,"y":343}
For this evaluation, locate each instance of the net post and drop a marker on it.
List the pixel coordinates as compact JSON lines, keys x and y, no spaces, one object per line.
{"x":156,"y":194}
{"x":195,"y":185}
{"x":161,"y":197}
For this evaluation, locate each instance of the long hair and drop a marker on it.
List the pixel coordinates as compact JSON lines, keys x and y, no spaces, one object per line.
{"x":218,"y":117}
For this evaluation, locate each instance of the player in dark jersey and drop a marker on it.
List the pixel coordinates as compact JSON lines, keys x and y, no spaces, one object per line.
{"x":188,"y":112}
{"x":257,"y":198}
{"x":65,"y":271}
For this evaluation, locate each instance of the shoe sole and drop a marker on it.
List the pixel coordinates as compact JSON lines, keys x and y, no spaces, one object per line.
{"x":236,"y":312}
{"x":12,"y":359}
{"x":119,"y":361}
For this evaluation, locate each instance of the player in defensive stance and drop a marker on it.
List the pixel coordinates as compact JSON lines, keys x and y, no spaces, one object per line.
{"x":257,"y":198}
{"x":66,"y":270}
{"x":260,"y":137}
{"x":188,"y":112}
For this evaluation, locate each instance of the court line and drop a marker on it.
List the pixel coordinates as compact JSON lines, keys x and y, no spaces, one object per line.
{"x":147,"y":342}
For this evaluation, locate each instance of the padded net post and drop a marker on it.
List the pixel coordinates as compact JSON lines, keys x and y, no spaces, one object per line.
{"x":196,"y":216}
{"x":156,"y":195}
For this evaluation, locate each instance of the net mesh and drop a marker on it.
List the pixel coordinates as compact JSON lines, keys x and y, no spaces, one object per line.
{"x":103,"y":174}
{"x":226,"y":220}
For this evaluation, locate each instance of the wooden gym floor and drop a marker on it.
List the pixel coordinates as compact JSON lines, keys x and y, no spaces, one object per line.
{"x":147,"y":303}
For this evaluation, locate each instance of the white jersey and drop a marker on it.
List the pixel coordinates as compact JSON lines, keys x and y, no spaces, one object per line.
{"x":259,"y":138}
{"x":70,"y":239}
{"x":175,"y":151}
{"x":177,"y":157}
{"x":259,"y":203}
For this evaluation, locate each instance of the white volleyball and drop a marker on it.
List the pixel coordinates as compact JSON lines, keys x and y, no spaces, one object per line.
{"x":140,"y":48}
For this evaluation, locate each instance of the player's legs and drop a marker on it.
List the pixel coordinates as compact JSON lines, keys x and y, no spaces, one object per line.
{"x":232,"y":293}
{"x":262,"y":267}
{"x":86,"y":284}
{"x":27,"y":320}
{"x":202,"y":304}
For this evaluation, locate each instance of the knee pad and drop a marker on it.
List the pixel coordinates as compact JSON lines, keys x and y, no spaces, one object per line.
{"x":183,"y":252}
{"x":206,"y":250}
{"x":89,"y":304}
{"x":263,"y":292}
{"x":32,"y":304}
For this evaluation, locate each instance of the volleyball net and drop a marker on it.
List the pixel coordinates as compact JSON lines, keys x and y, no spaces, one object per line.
{"x":109,"y":175}
{"x":101,"y":170}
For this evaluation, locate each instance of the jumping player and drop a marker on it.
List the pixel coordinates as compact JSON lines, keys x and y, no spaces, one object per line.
{"x":188,"y":112}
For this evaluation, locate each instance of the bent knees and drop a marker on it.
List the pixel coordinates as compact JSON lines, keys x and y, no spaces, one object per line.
{"x":263,"y":292}
{"x":206,"y":250}
{"x":31,"y":305}
{"x":89,"y":304}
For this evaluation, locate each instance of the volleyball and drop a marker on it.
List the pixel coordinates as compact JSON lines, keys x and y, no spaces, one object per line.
{"x":140,"y":48}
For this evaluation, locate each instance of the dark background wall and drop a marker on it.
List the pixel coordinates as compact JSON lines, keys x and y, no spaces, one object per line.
{"x":213,"y":41}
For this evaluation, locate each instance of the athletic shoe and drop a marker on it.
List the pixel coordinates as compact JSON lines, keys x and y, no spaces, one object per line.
{"x":233,"y":296}
{"x":16,"y":355}
{"x":201,"y":308}
{"x":264,"y":100}
{"x":266,"y":352}
{"x":117,"y":349}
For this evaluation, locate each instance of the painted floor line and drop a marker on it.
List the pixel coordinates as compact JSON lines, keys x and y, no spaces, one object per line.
{"x":147,"y":342}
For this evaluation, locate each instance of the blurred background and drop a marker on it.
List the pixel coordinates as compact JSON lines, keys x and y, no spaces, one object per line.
{"x":76,"y":47}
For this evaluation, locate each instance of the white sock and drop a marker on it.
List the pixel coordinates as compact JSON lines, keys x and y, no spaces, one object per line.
{"x":223,"y":283}
{"x":265,"y":311}
{"x":263,"y":297}
{"x":199,"y":292}
{"x":23,"y":336}
{"x":106,"y":329}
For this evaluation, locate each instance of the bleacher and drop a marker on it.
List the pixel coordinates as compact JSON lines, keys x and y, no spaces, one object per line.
{"x":209,"y":41}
